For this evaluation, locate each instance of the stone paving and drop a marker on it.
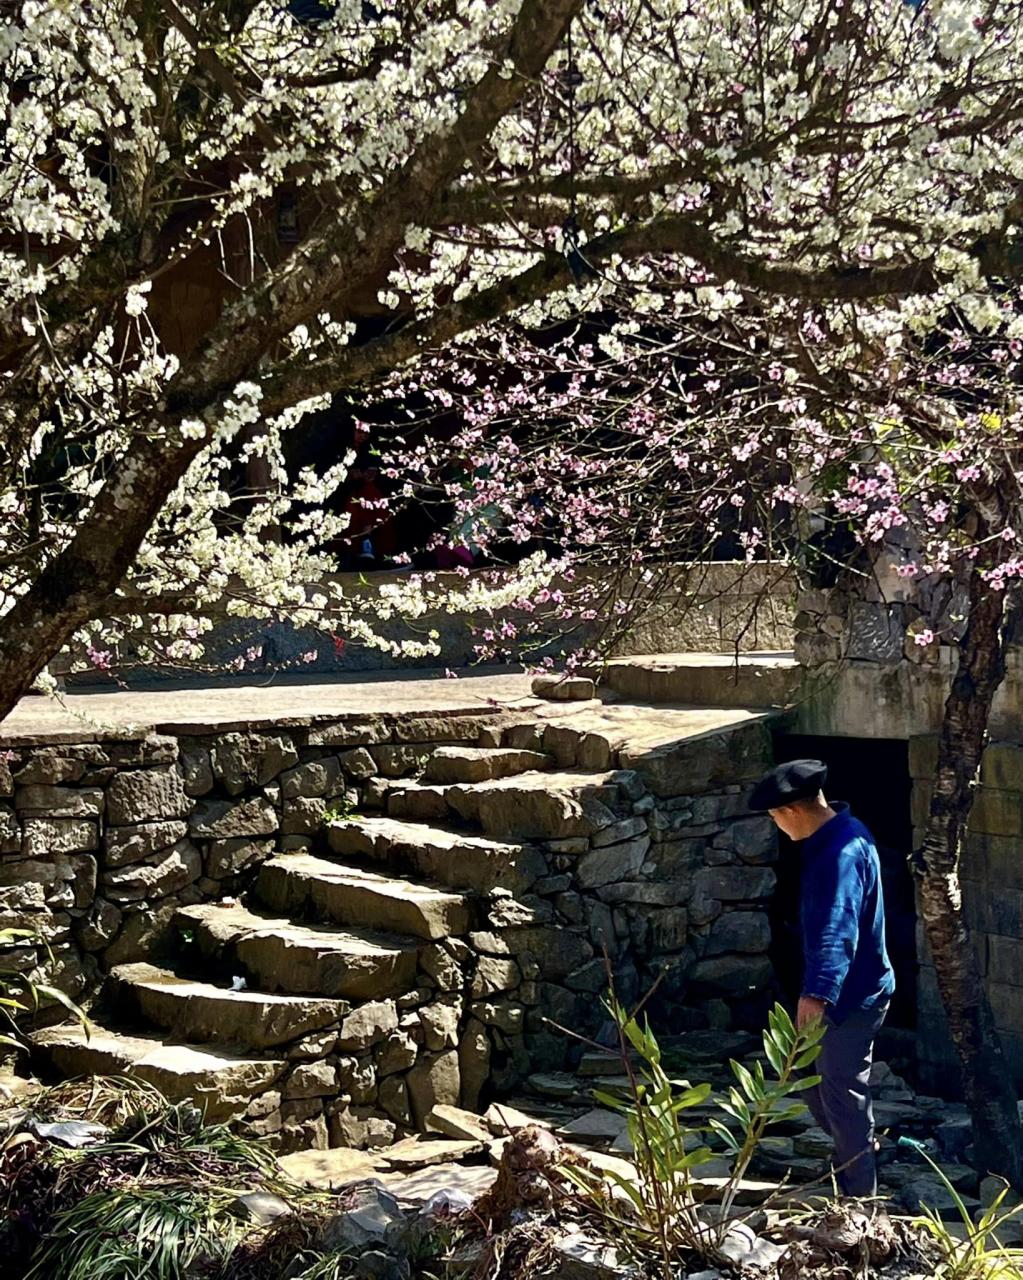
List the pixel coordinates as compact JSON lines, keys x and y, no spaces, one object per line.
{"x":225,"y":706}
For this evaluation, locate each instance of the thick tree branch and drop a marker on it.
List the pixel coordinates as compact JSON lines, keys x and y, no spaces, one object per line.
{"x":335,"y":264}
{"x":359,"y":365}
{"x":83,"y":575}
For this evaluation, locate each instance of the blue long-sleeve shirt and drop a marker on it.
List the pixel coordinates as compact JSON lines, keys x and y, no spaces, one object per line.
{"x":842,"y":917}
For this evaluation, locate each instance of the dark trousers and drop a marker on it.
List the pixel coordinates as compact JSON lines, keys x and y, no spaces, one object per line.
{"x":841,"y":1103}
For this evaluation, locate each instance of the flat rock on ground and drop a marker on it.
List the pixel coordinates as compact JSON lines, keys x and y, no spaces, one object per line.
{"x":470,"y":1180}
{"x":417,"y":1153}
{"x":328,"y":1170}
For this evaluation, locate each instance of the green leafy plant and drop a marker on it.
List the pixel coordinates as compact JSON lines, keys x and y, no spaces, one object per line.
{"x":20,"y":994}
{"x":328,"y":1266}
{"x":979,"y":1255}
{"x":340,"y":811}
{"x":154,"y":1231}
{"x":667,"y":1216}
{"x":149,"y":1202}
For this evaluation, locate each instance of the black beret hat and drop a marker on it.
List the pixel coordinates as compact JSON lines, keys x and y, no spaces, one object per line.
{"x":795,"y":780}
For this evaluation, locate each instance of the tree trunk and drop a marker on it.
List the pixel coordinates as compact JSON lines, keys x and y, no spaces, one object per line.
{"x":987,"y":1083}
{"x":76,"y":584}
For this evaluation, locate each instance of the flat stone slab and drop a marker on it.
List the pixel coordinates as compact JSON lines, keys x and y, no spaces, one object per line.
{"x":289,"y":701}
{"x":707,"y":679}
{"x":454,"y":1122}
{"x":101,"y":1053}
{"x":598,"y":1123}
{"x":417,"y":801}
{"x":481,"y":764}
{"x":554,"y":1084}
{"x":417,"y":1153}
{"x":329,"y":1170}
{"x":305,"y":959}
{"x":676,"y":740}
{"x":503,"y":1119}
{"x":351,"y":896}
{"x":540,"y":805}
{"x":222,"y":1085}
{"x":200,"y":1012}
{"x":416,"y":1188}
{"x":452,"y":858}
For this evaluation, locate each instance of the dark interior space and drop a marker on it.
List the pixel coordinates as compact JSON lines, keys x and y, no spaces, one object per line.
{"x":872,"y":777}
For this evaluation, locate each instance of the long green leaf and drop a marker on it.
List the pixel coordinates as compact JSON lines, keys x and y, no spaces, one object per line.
{"x":611,"y":1100}
{"x":774,"y":1055}
{"x":744,"y":1078}
{"x":630,"y":1188}
{"x":693,"y":1096}
{"x":725,"y":1134}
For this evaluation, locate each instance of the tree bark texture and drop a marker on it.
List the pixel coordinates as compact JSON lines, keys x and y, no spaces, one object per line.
{"x":987,"y":1083}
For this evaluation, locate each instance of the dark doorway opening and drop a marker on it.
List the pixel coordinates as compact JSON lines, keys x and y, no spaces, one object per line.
{"x":872,"y":777}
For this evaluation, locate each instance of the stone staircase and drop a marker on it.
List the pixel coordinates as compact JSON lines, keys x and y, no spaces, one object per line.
{"x":408,"y":958}
{"x":316,"y":960}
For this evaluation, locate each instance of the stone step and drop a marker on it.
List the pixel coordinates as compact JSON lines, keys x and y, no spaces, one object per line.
{"x":418,"y":802}
{"x":450,"y":857}
{"x":199,"y":1012}
{"x":706,"y":679}
{"x":481,"y":764}
{"x":303,"y":959}
{"x":540,"y":806}
{"x":302,"y":884}
{"x":221,"y":1084}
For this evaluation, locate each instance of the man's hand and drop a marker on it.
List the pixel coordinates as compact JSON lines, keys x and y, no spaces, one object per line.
{"x":809,"y":1010}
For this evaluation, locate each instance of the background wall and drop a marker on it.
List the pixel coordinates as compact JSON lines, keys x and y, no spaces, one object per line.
{"x":714,"y":607}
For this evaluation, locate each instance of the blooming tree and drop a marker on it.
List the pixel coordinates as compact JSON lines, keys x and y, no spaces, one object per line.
{"x":774,"y":222}
{"x":893,"y":451}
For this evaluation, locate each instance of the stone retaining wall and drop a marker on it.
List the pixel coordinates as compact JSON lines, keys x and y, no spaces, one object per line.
{"x":652,"y":858}
{"x":101,"y":841}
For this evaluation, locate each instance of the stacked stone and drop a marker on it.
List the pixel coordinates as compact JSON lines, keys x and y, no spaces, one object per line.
{"x":671,"y":886}
{"x":101,"y":842}
{"x":875,"y":616}
{"x":371,"y":1079}
{"x":486,"y":940}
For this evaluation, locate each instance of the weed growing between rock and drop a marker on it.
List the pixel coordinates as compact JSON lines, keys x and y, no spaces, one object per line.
{"x":978,"y":1255}
{"x":23,"y":993}
{"x":156,"y":1194}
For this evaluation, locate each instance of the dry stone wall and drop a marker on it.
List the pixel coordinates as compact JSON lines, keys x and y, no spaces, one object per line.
{"x":325,"y":930}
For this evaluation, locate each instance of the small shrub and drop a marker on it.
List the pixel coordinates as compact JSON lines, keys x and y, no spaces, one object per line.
{"x":667,"y":1216}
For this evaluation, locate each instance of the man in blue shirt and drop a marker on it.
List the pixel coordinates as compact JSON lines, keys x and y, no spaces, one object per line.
{"x":847,"y":977}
